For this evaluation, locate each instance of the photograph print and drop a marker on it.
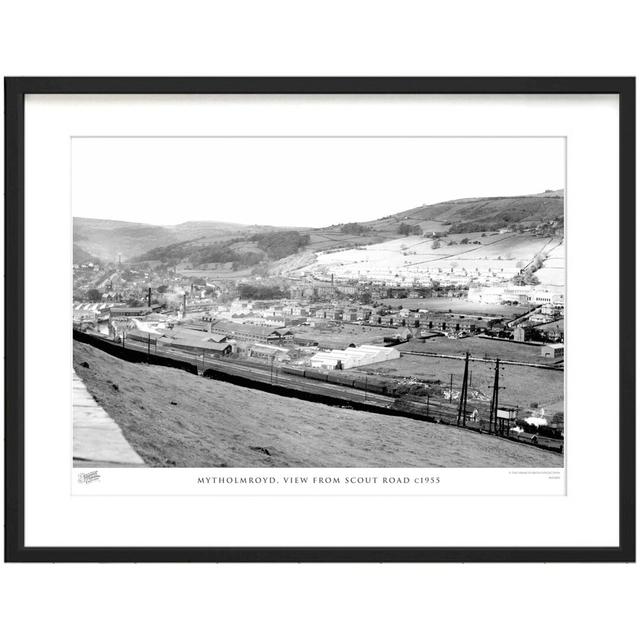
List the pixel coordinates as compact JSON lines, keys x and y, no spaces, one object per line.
{"x":318,"y":302}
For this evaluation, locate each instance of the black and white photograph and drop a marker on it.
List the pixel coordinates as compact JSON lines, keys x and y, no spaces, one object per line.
{"x":318,"y":302}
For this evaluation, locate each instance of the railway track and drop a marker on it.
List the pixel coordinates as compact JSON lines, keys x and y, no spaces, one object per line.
{"x":280,"y":381}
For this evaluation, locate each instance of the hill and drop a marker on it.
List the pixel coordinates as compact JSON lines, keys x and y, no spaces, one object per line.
{"x":81,"y":256}
{"x":191,"y":241}
{"x":479,"y":214}
{"x":106,"y":239}
{"x":173,"y":418}
{"x":242,"y":251}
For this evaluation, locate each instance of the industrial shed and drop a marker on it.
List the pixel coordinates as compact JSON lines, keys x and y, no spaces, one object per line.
{"x":555,"y":350}
{"x":353,"y":357}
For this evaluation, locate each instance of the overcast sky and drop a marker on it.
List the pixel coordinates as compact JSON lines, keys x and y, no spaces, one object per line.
{"x":300,"y":181}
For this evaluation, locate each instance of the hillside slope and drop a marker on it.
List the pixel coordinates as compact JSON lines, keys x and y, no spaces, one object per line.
{"x":173,"y":418}
{"x":106,"y":239}
{"x":488,"y":214}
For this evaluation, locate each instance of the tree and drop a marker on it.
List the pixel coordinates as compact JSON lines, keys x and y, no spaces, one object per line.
{"x":435,"y":244}
{"x":405,"y":229}
{"x":354,"y":228}
{"x":464,"y":241}
{"x":558,"y":418}
{"x":162,"y":288}
{"x":94,"y":295}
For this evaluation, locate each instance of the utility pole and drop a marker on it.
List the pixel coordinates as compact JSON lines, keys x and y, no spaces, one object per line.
{"x":462,"y":406}
{"x":149,"y":297}
{"x":148,"y":346}
{"x":365,"y":387}
{"x":451,"y":389}
{"x":493,"y":411}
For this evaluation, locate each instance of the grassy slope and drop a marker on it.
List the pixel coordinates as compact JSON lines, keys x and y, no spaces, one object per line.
{"x":216,"y":424}
{"x":106,"y":238}
{"x":518,"y":208}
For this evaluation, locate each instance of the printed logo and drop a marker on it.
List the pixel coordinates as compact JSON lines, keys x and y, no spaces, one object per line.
{"x":87,"y":478}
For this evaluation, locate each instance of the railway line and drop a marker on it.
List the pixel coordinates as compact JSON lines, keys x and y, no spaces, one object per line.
{"x":283,"y":382}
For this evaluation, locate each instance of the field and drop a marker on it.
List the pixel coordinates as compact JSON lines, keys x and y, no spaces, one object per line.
{"x":343,"y":335}
{"x":215,"y":274}
{"x":480,"y":348}
{"x":523,"y":386}
{"x":553,"y":270}
{"x":497,"y":257}
{"x":173,"y":418}
{"x":457,"y":305}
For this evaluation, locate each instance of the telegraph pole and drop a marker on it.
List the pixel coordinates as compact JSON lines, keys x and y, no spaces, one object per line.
{"x":462,"y":406}
{"x":493,"y":411}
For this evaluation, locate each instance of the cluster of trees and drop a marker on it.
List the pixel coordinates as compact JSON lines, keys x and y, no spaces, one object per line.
{"x":93,"y":295}
{"x":280,"y":244}
{"x":406,"y":229}
{"x":213,"y":253}
{"x":260,"y":292}
{"x":475,"y":227}
{"x":275,"y":245}
{"x":528,"y":275}
{"x":171,"y":253}
{"x":354,"y":228}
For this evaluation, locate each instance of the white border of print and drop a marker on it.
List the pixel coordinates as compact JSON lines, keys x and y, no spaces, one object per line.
{"x":54,"y":517}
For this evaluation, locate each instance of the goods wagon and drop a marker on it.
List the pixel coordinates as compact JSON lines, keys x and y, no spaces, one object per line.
{"x":142,"y":337}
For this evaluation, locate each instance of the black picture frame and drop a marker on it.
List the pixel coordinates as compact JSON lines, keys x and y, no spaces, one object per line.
{"x":15,"y":91}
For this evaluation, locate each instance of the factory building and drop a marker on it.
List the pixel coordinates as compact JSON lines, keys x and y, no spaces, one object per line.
{"x":353,"y":357}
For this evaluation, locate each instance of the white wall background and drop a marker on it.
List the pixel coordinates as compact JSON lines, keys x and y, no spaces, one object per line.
{"x":328,"y":38}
